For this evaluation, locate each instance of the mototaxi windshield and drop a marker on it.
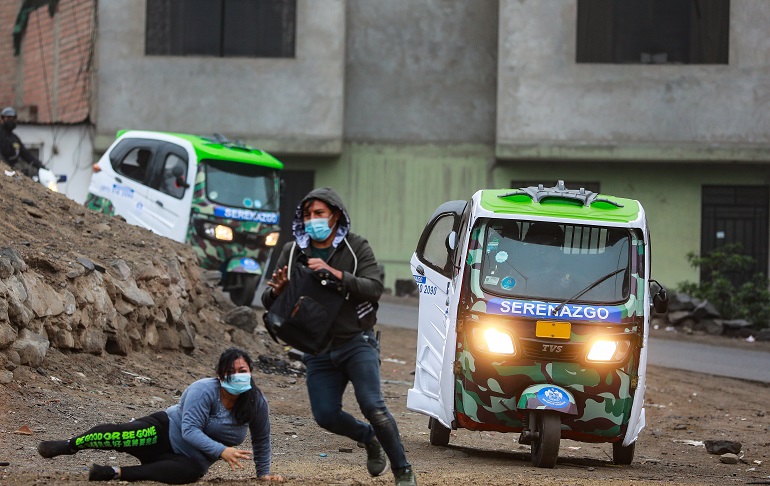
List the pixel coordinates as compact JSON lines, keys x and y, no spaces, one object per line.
{"x":555,"y":261}
{"x":241,"y":185}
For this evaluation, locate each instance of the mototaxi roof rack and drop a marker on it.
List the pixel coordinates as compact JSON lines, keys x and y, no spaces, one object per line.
{"x":540,"y":192}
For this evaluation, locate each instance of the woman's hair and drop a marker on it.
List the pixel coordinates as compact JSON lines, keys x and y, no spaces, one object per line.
{"x":245,"y":408}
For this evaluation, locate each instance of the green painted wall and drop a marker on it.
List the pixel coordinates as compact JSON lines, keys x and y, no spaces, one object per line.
{"x":391,"y":191}
{"x":670,"y":194}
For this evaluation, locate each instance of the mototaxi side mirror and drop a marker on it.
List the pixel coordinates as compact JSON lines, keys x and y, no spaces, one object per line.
{"x":451,"y":240}
{"x":660,"y":298}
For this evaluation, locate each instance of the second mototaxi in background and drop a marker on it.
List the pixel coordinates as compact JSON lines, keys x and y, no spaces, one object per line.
{"x":219,"y":196}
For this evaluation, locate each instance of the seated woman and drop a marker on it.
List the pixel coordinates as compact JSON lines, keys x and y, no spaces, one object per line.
{"x":178,"y":445}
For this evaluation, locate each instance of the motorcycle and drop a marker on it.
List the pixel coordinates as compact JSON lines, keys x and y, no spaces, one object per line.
{"x":534,"y":317}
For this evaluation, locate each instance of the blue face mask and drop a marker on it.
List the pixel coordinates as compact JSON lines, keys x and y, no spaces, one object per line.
{"x":318,"y":228}
{"x":237,"y":384}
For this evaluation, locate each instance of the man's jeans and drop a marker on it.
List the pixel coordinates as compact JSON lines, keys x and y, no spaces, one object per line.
{"x":358,"y":362}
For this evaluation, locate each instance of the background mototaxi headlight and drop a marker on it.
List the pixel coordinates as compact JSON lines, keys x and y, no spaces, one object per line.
{"x":608,"y":351}
{"x":493,"y":340}
{"x":272,"y":239}
{"x":218,"y":231}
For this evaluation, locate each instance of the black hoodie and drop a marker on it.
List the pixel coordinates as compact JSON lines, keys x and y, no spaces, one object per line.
{"x":352,"y":255}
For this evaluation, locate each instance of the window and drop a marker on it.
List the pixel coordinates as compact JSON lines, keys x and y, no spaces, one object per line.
{"x":551,"y":261}
{"x":221,"y":28}
{"x":174,"y":176}
{"x":436,"y":252}
{"x":135,"y":164}
{"x":653,"y":31}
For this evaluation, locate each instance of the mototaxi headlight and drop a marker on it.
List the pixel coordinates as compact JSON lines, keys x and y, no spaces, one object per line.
{"x":608,"y":351}
{"x":218,"y":231}
{"x":272,"y":239}
{"x":493,"y":340}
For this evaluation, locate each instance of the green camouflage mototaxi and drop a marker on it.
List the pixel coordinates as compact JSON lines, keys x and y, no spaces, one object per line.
{"x":222,"y":197}
{"x":534,"y":299}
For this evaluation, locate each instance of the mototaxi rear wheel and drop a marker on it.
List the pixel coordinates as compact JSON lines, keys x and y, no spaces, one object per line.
{"x":439,"y":435}
{"x":623,"y":456}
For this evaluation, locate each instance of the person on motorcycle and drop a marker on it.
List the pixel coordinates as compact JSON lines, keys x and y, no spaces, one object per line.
{"x":12,"y":149}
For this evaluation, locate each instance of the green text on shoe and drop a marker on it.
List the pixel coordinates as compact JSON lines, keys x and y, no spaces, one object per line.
{"x":376,"y":460}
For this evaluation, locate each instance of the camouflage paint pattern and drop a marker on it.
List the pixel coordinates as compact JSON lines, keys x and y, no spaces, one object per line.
{"x":489,"y":387}
{"x":214,"y":254}
{"x":99,"y":204}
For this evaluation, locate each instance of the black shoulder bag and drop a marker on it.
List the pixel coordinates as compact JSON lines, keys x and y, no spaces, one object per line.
{"x":302,"y":315}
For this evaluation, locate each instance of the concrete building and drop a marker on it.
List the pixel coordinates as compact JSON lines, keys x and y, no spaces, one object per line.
{"x":401,"y":105}
{"x":47,"y":57}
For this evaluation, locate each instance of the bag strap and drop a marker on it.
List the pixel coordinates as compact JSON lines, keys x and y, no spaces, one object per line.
{"x":291,"y":256}
{"x":355,"y":258}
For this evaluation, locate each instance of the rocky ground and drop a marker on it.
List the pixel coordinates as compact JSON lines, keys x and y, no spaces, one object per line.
{"x":71,"y":390}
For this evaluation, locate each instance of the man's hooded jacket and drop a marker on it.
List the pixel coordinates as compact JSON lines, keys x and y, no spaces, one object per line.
{"x":350,"y":254}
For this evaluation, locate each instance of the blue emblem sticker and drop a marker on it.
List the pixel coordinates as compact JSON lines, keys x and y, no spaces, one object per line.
{"x":553,"y":397}
{"x":508,"y":283}
{"x":420,"y":279}
{"x":249,"y":264}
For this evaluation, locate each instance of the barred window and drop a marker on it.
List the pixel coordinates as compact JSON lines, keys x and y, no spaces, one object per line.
{"x":221,"y":28}
{"x":653,"y":31}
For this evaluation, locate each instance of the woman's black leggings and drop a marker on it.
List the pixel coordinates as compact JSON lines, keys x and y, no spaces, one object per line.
{"x":146,"y":439}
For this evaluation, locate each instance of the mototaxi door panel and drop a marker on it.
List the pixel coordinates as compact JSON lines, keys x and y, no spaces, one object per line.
{"x":433,"y":270}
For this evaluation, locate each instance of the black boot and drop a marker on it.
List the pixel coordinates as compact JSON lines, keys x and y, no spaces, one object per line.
{"x":53,"y":448}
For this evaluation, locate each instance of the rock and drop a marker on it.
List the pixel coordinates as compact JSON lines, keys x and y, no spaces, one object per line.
{"x":763,"y":335}
{"x":6,"y":376}
{"x":709,"y":325}
{"x":133,"y":294}
{"x":676,"y":317}
{"x":7,"y":335}
{"x":243,"y":318}
{"x":720,"y":446}
{"x":93,"y":341}
{"x":86,"y":263}
{"x":118,"y":343}
{"x":729,"y":459}
{"x":13,"y":258}
{"x":32,"y":348}
{"x":120,"y":269}
{"x":678,"y":301}
{"x":41,"y":297}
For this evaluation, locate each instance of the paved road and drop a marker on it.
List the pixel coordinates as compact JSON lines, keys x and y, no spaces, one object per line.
{"x":683,"y":355}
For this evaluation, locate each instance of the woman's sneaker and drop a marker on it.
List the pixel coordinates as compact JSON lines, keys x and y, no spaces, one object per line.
{"x":53,"y":448}
{"x":376,"y":460}
{"x":102,"y":473}
{"x":405,"y":477}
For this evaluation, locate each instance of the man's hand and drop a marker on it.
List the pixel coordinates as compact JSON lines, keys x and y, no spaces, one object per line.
{"x":279,"y":280}
{"x":233,"y":457}
{"x":320,"y":264}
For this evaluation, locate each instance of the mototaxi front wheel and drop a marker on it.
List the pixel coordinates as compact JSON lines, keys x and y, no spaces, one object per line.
{"x":242,"y":292}
{"x":547,"y":436}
